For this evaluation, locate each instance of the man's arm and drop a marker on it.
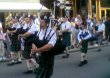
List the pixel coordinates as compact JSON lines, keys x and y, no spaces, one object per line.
{"x":65,"y":30}
{"x":31,"y":31}
{"x":0,"y":26}
{"x":0,"y":29}
{"x":46,"y":47}
{"x":26,"y":34}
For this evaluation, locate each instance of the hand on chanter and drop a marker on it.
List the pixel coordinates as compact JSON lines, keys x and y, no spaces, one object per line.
{"x":34,"y":49}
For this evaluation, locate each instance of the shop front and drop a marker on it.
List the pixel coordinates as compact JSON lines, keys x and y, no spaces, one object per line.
{"x":8,"y":9}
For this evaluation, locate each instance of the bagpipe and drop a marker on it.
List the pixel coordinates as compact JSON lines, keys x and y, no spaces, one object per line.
{"x":28,"y":39}
{"x":11,"y":29}
{"x":92,"y":38}
{"x":21,"y":30}
{"x":58,"y":48}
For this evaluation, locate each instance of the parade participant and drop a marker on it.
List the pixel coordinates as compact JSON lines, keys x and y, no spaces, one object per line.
{"x":73,"y":34}
{"x":7,"y":43}
{"x":107,"y":29}
{"x":2,"y":51}
{"x":15,"y":43}
{"x":46,"y":61}
{"x":66,"y":34}
{"x":83,"y":37}
{"x":37,"y":22}
{"x":100,"y":33}
{"x":78,"y":21}
{"x":29,"y":23}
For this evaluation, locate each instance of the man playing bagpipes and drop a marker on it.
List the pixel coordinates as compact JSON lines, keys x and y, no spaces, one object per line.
{"x":45,"y":43}
{"x":15,"y":42}
{"x":28,"y":26}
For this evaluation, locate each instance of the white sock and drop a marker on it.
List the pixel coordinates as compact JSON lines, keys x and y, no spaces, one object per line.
{"x":19,"y":57}
{"x":34,"y":62}
{"x":83,"y":56}
{"x":29,"y":65}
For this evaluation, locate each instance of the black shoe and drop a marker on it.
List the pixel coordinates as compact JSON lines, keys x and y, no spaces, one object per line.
{"x":18,"y":62}
{"x":35,"y":70}
{"x":85,"y":62}
{"x":99,"y":50}
{"x":11,"y":64}
{"x":28,"y":72}
{"x":65,"y":56}
{"x":72,"y":47}
{"x":81,"y":64}
{"x":102,"y":43}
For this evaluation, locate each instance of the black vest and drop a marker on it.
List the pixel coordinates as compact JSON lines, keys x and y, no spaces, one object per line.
{"x":57,"y":49}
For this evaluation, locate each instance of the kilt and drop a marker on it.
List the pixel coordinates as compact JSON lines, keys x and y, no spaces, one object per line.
{"x":15,"y":44}
{"x":27,"y":51}
{"x":84,"y":47}
{"x":46,"y":64}
{"x":67,"y":38}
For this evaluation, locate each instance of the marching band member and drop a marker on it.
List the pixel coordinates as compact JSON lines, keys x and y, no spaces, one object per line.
{"x":15,"y":42}
{"x":47,"y":36}
{"x":66,"y":34}
{"x":29,"y":26}
{"x":83,"y":37}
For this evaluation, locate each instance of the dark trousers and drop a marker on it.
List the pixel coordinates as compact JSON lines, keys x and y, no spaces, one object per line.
{"x":45,"y":69}
{"x":107,"y":35}
{"x":67,"y":38}
{"x":84,"y":46}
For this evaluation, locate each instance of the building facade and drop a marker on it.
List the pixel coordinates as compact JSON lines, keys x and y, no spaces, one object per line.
{"x":19,"y":0}
{"x":98,"y":8}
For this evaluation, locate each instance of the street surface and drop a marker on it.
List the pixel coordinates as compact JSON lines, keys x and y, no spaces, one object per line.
{"x":98,"y":66}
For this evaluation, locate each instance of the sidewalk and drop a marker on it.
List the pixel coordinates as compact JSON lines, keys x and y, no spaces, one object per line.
{"x":70,"y":50}
{"x":89,"y":47}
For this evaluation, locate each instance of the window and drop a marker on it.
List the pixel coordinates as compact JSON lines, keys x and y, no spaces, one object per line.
{"x":105,"y":3}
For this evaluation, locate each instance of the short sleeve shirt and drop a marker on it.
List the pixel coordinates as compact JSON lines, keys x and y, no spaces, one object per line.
{"x":53,"y":39}
{"x":66,"y":25}
{"x":16,"y":25}
{"x":0,"y":25}
{"x":101,"y":27}
{"x":33,"y":28}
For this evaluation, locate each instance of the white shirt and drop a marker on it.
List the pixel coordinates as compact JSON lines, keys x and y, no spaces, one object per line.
{"x":72,"y":27}
{"x":101,"y":27}
{"x":78,"y":21}
{"x":66,"y":25}
{"x":16,"y":25}
{"x":0,"y":25}
{"x":33,"y":28}
{"x":37,"y":23}
{"x":83,"y":32}
{"x":53,"y":39}
{"x":89,"y":23}
{"x":25,"y":26}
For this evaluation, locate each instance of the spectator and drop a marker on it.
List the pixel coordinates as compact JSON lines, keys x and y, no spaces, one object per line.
{"x":65,"y":28}
{"x":2,"y":51}
{"x":107,"y":29}
{"x":100,"y":33}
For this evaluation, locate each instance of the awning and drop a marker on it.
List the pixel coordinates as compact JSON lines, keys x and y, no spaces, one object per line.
{"x":21,"y":6}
